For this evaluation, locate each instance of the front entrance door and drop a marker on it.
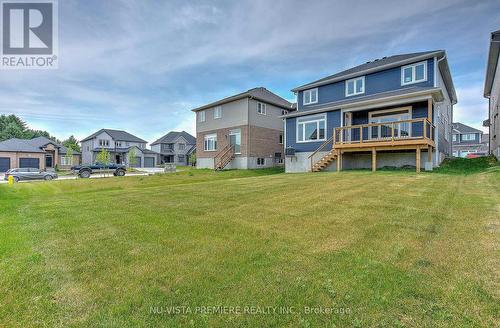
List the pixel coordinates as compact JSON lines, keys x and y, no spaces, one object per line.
{"x":118,"y":159}
{"x":49,"y":161}
{"x":235,"y":140}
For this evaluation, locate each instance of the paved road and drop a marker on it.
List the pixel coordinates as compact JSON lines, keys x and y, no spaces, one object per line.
{"x":73,"y":177}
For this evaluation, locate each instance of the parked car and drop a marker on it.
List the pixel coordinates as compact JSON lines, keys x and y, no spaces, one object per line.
{"x":85,"y":171}
{"x":475,"y":155}
{"x":29,"y":174}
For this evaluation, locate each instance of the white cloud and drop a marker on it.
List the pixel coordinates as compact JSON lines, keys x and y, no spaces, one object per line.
{"x":471,"y":108}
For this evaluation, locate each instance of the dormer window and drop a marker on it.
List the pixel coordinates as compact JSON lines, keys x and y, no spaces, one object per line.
{"x":414,"y":73}
{"x":310,"y":96}
{"x":355,"y":86}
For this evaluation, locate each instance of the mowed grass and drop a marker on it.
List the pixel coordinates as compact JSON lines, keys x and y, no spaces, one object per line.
{"x":390,"y":249}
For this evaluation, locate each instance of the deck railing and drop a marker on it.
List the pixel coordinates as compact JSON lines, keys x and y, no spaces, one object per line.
{"x":420,"y":128}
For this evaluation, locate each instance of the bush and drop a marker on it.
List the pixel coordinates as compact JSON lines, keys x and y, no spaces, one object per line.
{"x":466,"y":165}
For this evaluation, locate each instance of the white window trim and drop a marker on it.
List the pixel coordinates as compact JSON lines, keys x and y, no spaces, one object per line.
{"x":202,"y":116}
{"x":66,"y":160}
{"x":304,"y":96}
{"x":219,"y":110}
{"x":263,"y":160}
{"x":413,"y":73}
{"x":264,"y":106}
{"x":304,"y":130}
{"x":361,"y":78}
{"x":210,"y":136}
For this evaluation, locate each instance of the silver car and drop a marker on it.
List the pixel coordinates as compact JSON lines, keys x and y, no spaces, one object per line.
{"x":29,"y":174}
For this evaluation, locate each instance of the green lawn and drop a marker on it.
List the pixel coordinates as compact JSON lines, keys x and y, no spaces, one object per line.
{"x":385,"y":249}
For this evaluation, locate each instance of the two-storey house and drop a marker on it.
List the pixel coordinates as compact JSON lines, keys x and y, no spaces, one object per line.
{"x":492,"y":92}
{"x":175,"y":147}
{"x":242,"y":131}
{"x":386,"y":112}
{"x":119,"y":144}
{"x":467,"y":140}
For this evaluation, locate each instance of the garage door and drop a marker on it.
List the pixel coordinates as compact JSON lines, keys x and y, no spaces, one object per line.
{"x":138,"y":162}
{"x":4,"y":164}
{"x":149,"y":162}
{"x":29,"y":162}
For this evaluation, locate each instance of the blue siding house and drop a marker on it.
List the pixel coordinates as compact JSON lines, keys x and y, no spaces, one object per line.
{"x":394,"y":111}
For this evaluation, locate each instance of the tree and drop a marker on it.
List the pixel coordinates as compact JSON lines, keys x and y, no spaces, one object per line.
{"x":132,"y":157}
{"x":72,"y":143}
{"x":103,"y":156}
{"x":12,"y":126}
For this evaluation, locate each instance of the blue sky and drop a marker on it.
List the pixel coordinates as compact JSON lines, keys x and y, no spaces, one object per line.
{"x":142,"y":65}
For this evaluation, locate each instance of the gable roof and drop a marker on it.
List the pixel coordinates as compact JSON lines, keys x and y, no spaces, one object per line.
{"x":462,"y":128}
{"x":34,"y":145}
{"x":384,"y":64}
{"x":172,"y":136}
{"x":117,"y":135}
{"x":491,"y":67}
{"x":259,"y":93}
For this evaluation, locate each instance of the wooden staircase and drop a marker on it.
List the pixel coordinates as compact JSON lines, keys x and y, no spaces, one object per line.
{"x":325,"y":161}
{"x":224,"y":157}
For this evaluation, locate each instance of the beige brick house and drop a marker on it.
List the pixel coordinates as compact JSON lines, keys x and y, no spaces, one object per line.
{"x":242,"y":131}
{"x":41,"y":153}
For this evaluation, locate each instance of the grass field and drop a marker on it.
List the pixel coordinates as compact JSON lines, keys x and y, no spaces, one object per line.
{"x":390,"y":249}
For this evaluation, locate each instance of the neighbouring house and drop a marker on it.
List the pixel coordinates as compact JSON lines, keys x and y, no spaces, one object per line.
{"x":242,"y":131}
{"x":394,"y":111}
{"x":120,"y":144}
{"x":468,"y":140}
{"x":41,"y":153}
{"x":492,"y":92}
{"x":175,"y":147}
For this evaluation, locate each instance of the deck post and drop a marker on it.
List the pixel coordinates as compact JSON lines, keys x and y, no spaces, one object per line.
{"x":418,"y":159}
{"x":374,"y":159}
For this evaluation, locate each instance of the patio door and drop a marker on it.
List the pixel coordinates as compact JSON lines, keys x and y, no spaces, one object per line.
{"x":387,"y":118}
{"x":235,"y":140}
{"x":348,"y":122}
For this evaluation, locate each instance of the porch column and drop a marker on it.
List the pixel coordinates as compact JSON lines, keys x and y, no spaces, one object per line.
{"x":374,"y":159}
{"x":417,"y":164}
{"x":429,"y":109}
{"x":339,"y":161}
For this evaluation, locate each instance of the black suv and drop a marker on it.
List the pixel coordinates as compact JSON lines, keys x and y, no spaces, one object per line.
{"x":84,"y":171}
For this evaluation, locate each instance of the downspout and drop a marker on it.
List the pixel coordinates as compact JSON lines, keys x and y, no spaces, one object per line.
{"x":489,"y":126}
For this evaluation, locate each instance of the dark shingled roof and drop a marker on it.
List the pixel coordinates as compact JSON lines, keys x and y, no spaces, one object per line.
{"x":34,"y":145}
{"x":173,"y":135}
{"x":117,"y":135}
{"x":259,"y":93}
{"x":462,"y":128}
{"x":491,"y":66}
{"x":372,"y":65}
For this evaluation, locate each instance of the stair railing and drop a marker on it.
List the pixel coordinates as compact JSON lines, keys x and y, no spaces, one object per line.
{"x":316,"y":156}
{"x":223,"y":157}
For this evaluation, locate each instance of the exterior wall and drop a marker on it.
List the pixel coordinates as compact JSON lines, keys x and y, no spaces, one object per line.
{"x":443,"y":121}
{"x":271,"y":120}
{"x":495,"y":114}
{"x":87,"y":153}
{"x":377,"y":82}
{"x":264,"y":142}
{"x":222,"y":142}
{"x":234,"y":113}
{"x":15,"y":156}
{"x":76,"y":161}
{"x":176,"y":151}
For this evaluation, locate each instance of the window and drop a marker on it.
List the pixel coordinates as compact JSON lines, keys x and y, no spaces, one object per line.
{"x":284,"y":112}
{"x":454,"y":137}
{"x":311,"y":128}
{"x":446,"y":129}
{"x":468,"y":137}
{"x":261,"y":108}
{"x":355,"y":86}
{"x":210,"y":142}
{"x":66,"y":160}
{"x":217,"y":112}
{"x":118,"y":143}
{"x":261,"y":161}
{"x":182,"y":146}
{"x":310,"y":96}
{"x":201,"y":116}
{"x":181,"y":158}
{"x":281,"y":138}
{"x":414,"y":73}
{"x":277,"y":158}
{"x":103,"y":143}
{"x":402,"y":129}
